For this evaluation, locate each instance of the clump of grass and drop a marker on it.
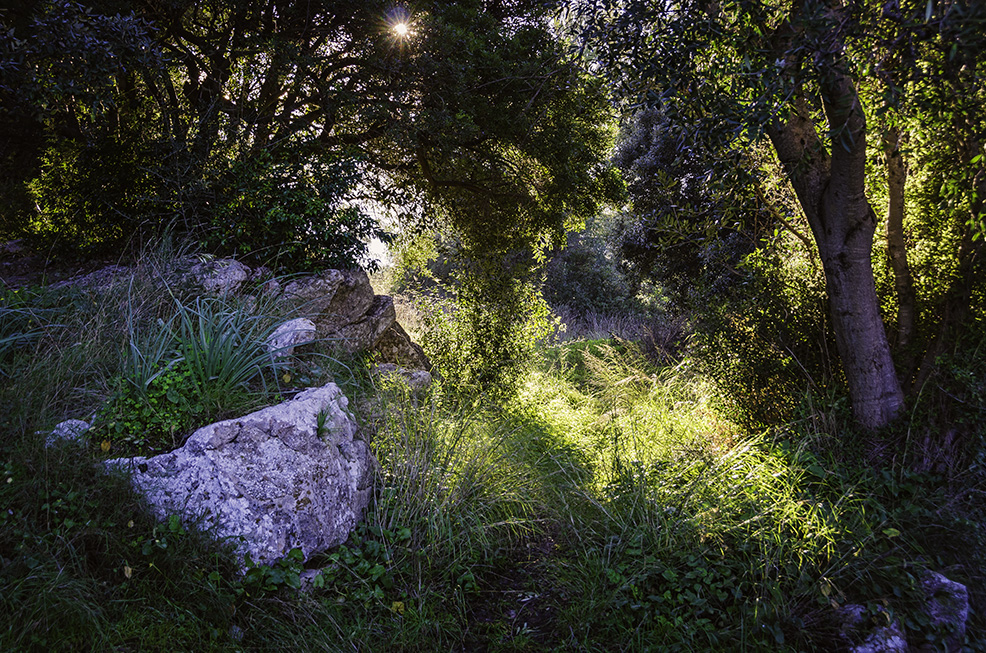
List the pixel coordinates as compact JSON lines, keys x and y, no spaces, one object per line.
{"x":206,"y":361}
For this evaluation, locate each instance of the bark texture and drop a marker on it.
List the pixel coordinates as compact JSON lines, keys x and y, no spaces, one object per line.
{"x":830,"y":186}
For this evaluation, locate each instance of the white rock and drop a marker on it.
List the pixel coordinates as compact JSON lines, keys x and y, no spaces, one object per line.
{"x":292,"y":475}
{"x":289,"y":335}
{"x":221,"y":276}
{"x":71,"y":431}
{"x":860,"y":635}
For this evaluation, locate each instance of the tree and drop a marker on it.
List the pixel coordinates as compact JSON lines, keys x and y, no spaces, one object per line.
{"x":223,"y":114}
{"x":791,"y":71}
{"x":264,"y":127}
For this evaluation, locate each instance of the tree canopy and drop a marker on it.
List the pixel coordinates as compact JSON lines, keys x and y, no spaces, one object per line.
{"x":259,"y":124}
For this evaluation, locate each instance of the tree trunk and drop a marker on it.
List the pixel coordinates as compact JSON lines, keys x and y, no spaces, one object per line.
{"x":896,"y":247}
{"x":876,"y":394}
{"x":831,"y":190}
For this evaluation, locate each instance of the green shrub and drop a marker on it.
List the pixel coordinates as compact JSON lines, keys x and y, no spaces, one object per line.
{"x":292,"y":212}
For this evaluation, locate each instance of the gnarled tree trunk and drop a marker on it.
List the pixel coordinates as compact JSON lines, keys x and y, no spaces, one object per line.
{"x":831,"y":190}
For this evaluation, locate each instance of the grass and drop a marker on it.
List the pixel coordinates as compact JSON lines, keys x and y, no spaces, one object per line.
{"x":609,"y":506}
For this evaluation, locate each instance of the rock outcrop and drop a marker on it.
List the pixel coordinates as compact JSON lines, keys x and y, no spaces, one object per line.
{"x":340,"y":304}
{"x":946,"y":609}
{"x":345,"y":311}
{"x":294,"y":475}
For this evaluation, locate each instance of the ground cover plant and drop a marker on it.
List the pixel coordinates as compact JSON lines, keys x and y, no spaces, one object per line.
{"x":607,"y":505}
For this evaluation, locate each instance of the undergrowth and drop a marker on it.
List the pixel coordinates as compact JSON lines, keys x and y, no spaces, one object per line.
{"x":607,"y":506}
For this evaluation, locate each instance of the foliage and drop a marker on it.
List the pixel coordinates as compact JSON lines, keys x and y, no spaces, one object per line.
{"x":486,"y":336}
{"x":201,"y":364}
{"x":290,"y":210}
{"x":283,"y":574}
{"x":585,"y":275}
{"x":608,"y":501}
{"x":692,"y":536}
{"x":224,"y":346}
{"x":257,"y":137}
{"x":151,"y":419}
{"x":22,"y":321}
{"x":805,"y":76}
{"x":694,"y":214}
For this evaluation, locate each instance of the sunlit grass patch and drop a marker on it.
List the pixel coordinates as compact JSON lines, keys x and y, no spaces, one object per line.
{"x":683,"y":528}
{"x":617,"y":405}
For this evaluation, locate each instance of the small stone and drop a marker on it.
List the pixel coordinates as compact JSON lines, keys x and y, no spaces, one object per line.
{"x":71,"y":431}
{"x":860,"y":635}
{"x":291,"y":334}
{"x":947,"y":606}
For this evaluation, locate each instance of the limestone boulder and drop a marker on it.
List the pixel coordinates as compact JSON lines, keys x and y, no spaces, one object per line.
{"x":343,"y":307}
{"x":332,"y":300}
{"x":295,"y":475}
{"x":396,"y":347}
{"x":946,"y":608}
{"x":863,"y":632}
{"x":290,"y":335}
{"x":313,"y":295}
{"x":350,"y":303}
{"x":364,"y":333}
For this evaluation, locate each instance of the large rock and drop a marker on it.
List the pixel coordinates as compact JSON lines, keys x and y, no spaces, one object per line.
{"x":333,"y":299}
{"x":343,"y":307}
{"x":395,"y":346}
{"x":313,"y":295}
{"x":292,"y":475}
{"x":364,"y":333}
{"x":946,"y":608}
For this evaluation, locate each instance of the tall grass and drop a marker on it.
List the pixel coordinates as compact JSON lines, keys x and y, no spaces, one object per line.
{"x":608,"y":506}
{"x":689,"y":534}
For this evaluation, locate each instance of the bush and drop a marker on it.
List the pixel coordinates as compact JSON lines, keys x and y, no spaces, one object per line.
{"x":486,"y":336}
{"x":292,"y":212}
{"x":585,"y":275}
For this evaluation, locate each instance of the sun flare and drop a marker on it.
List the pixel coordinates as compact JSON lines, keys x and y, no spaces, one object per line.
{"x":401,"y":29}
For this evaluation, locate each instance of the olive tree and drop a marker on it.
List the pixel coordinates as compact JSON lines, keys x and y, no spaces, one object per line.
{"x":803,"y":75}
